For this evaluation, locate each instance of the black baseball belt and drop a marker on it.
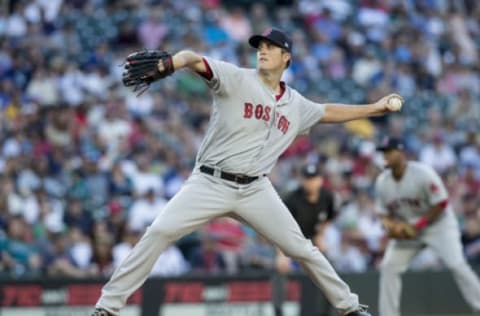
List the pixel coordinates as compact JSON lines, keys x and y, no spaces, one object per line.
{"x":237,"y":178}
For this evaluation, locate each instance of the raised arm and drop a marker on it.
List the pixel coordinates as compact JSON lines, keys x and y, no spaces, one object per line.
{"x":338,"y":113}
{"x":142,"y":68}
{"x":187,"y":59}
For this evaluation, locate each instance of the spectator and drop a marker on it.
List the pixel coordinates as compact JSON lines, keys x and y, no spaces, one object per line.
{"x":144,"y":210}
{"x":470,"y":155}
{"x":438,"y":154}
{"x":349,"y":258}
{"x":120,"y":184}
{"x":77,"y":216}
{"x":102,"y":258}
{"x":153,"y":30}
{"x":17,"y":256}
{"x":229,"y":236}
{"x":258,"y":253}
{"x":236,"y":24}
{"x":207,"y":259}
{"x":143,"y":179}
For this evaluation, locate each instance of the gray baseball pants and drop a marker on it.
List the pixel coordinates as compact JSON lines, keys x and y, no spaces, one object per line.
{"x":204,"y":197}
{"x":444,"y":239}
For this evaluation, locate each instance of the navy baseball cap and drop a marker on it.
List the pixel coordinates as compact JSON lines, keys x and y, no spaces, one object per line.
{"x":275,"y":36}
{"x":389,"y":143}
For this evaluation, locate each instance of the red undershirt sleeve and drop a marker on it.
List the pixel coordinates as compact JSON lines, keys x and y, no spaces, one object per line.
{"x":208,"y":74}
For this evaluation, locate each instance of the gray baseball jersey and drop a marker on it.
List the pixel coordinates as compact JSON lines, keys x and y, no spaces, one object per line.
{"x":408,"y":199}
{"x":249,"y":129}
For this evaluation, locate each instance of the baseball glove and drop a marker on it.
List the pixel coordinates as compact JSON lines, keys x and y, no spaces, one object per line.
{"x":402,"y":230}
{"x":141,"y":69}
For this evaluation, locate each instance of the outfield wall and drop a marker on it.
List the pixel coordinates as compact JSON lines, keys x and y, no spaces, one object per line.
{"x":426,"y":293}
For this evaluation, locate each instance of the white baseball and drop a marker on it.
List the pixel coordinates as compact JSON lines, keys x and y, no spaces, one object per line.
{"x":394,"y":103}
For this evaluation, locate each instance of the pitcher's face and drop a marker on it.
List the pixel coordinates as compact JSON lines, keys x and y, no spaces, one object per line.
{"x":271,"y":57}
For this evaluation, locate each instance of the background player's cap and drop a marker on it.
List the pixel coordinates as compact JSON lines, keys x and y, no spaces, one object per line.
{"x":391,"y":143}
{"x":275,"y":36}
{"x":310,"y":170}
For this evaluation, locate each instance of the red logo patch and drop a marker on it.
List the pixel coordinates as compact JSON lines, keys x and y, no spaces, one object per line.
{"x":433,"y":187}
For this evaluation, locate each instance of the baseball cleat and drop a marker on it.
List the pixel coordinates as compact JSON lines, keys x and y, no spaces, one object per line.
{"x":361,"y":311}
{"x":101,"y":312}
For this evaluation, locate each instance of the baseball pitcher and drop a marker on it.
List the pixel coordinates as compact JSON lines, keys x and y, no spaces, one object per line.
{"x":255,"y":117}
{"x":413,"y":203}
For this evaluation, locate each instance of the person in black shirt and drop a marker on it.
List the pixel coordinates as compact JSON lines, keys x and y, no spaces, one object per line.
{"x":313,"y":207}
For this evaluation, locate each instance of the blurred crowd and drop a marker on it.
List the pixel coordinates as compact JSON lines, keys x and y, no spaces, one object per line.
{"x":86,"y":165}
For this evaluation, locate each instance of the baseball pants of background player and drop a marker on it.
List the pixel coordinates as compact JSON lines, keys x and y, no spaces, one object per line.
{"x":444,"y":239}
{"x":204,"y":197}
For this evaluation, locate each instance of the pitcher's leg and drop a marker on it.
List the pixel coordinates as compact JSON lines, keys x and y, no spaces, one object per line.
{"x":262,"y":209}
{"x":192,"y":206}
{"x":449,"y":247}
{"x":395,"y":262}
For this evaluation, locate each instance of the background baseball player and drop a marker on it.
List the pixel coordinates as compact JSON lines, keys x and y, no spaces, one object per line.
{"x":415,"y":211}
{"x":254,"y":118}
